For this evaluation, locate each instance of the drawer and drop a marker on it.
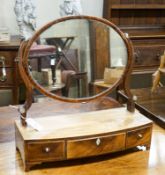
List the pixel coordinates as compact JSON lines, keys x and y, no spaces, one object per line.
{"x":95,"y":146}
{"x":9,"y":77}
{"x":45,"y":151}
{"x":148,"y":56}
{"x":9,"y":57}
{"x":5,"y":100}
{"x":138,"y":137}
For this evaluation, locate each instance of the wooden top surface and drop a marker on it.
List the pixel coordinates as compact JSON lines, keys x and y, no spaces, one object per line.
{"x":83,"y":124}
{"x":102,"y":84}
{"x":126,"y":163}
{"x":13,"y":44}
{"x":135,"y":163}
{"x":46,"y":108}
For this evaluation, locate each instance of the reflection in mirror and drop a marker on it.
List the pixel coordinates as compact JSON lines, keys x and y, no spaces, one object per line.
{"x":72,"y":58}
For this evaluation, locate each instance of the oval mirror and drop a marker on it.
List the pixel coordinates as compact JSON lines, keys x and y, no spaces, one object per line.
{"x":73,"y":56}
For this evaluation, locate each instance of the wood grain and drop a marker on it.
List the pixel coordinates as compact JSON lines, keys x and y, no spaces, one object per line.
{"x":83,"y":125}
{"x":143,"y":20}
{"x":134,"y":163}
{"x":95,"y":146}
{"x":85,"y":134}
{"x":48,"y":107}
{"x":138,"y":137}
{"x":10,"y":52}
{"x":151,"y":104}
{"x":46,"y":150}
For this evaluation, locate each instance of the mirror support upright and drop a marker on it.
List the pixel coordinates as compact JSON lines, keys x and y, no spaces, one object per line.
{"x":29,"y":88}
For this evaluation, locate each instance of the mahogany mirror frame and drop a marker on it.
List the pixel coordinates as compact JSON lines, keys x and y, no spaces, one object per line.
{"x":31,"y":84}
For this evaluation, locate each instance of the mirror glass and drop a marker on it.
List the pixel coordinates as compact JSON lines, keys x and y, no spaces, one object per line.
{"x":74,"y":57}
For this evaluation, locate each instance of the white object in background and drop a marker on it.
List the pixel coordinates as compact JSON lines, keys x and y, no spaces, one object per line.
{"x":70,"y":7}
{"x":119,"y":62}
{"x":127,"y":35}
{"x":47,"y":77}
{"x":58,"y":76}
{"x":26,"y":17}
{"x":52,"y":62}
{"x":32,"y":123}
{"x":4,"y":34}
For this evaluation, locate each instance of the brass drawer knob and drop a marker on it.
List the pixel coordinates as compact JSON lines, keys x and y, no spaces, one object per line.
{"x":98,"y":141}
{"x":47,"y":149}
{"x":140,"y":136}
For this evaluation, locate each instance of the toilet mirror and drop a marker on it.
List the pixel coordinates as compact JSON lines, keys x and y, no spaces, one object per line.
{"x":71,"y":57}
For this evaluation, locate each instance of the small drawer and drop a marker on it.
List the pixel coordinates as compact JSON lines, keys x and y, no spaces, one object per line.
{"x":138,"y":137}
{"x":148,"y":56}
{"x":45,"y":151}
{"x":9,"y":77}
{"x":9,"y":58}
{"x":95,"y":146}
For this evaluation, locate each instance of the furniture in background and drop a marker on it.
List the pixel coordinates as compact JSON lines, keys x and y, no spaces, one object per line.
{"x":100,"y":52}
{"x":71,"y":73}
{"x":151,"y":100}
{"x":150,"y":104}
{"x":39,"y":52}
{"x":64,"y":42}
{"x":69,"y":63}
{"x":9,"y":68}
{"x":144,"y":22}
{"x":37,"y":55}
{"x":100,"y":86}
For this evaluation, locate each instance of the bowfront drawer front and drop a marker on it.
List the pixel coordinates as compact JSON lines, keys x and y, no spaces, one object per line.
{"x":138,"y":137}
{"x":147,"y":56}
{"x":95,"y":146}
{"x":8,"y":57}
{"x":41,"y":151}
{"x":6,"y":76}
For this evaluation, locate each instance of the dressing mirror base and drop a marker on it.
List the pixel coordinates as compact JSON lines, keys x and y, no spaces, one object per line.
{"x":82,"y":135}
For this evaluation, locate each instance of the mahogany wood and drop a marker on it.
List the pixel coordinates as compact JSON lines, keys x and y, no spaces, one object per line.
{"x":100,"y":53}
{"x":144,"y":23}
{"x":142,"y":136}
{"x":82,"y":135}
{"x":100,"y":86}
{"x":143,"y":20}
{"x":46,"y":151}
{"x":10,"y":51}
{"x":149,"y":103}
{"x":50,"y":107}
{"x":129,"y":162}
{"x":95,"y":146}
